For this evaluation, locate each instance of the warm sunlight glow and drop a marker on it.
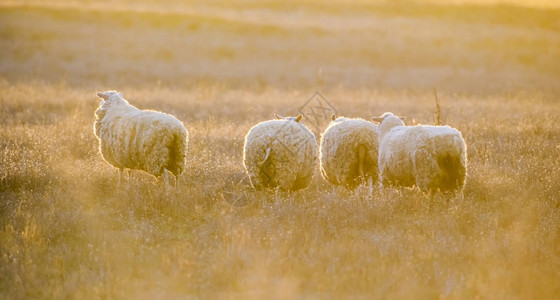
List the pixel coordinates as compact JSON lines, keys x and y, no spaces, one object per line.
{"x":286,"y":186}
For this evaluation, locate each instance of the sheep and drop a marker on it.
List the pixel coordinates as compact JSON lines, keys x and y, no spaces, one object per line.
{"x":130,"y":138}
{"x":431,"y":157}
{"x":280,"y":154}
{"x":348,"y":154}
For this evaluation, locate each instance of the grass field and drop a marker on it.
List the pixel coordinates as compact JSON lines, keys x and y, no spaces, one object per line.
{"x":67,"y":231}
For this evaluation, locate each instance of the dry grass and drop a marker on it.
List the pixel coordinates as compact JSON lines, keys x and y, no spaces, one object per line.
{"x":475,"y":49}
{"x":66,"y":231}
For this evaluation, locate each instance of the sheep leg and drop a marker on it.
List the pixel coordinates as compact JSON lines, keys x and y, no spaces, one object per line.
{"x":128,"y":178}
{"x":361,"y":157}
{"x":166,"y":180}
{"x":120,"y":177}
{"x":176,"y":181}
{"x":370,"y":187}
{"x":124,"y":175}
{"x":119,"y":180}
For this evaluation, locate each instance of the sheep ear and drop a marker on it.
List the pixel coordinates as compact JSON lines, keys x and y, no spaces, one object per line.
{"x":102,"y":96}
{"x":333,"y":117}
{"x":402,"y":118}
{"x":377,"y":119}
{"x":278,"y":117}
{"x":299,"y":118}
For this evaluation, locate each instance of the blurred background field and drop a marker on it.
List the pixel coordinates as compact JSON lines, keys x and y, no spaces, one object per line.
{"x":67,"y":231}
{"x":371,"y":44}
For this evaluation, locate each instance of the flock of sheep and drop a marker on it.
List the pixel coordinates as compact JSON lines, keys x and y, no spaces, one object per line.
{"x":282,"y":153}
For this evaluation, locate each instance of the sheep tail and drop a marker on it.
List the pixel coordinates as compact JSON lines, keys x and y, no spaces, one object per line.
{"x":454,"y":171}
{"x":177,"y":153}
{"x":266,"y":157}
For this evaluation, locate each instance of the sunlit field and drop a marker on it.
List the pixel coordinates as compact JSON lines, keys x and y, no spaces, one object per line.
{"x":67,"y":231}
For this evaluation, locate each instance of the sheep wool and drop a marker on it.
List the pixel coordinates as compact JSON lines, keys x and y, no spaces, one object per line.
{"x":431,"y":157}
{"x":130,"y":138}
{"x":280,"y":154}
{"x":349,"y":152}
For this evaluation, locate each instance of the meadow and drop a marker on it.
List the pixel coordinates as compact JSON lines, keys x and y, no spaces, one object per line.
{"x":68,"y":232}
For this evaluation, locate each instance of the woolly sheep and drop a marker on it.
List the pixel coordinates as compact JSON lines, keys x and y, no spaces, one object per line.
{"x":280,"y":154}
{"x":349,"y":152}
{"x":130,"y":138}
{"x":430,"y":157}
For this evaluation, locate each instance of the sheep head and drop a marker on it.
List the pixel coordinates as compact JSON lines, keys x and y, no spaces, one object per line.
{"x":387,"y":121}
{"x":385,"y":116}
{"x":296,"y":119}
{"x":111,"y":97}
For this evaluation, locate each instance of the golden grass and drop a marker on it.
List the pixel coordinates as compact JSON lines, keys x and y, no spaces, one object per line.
{"x":67,"y":231}
{"x":465,"y":49}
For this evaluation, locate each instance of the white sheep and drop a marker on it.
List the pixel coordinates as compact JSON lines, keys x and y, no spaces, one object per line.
{"x":130,"y":138}
{"x":431,"y":157}
{"x":280,"y":154}
{"x":349,"y":152}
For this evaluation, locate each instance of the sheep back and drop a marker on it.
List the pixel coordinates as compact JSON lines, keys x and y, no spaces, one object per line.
{"x":339,"y":151}
{"x":140,"y":139}
{"x":290,"y":165}
{"x":430,"y":157}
